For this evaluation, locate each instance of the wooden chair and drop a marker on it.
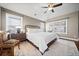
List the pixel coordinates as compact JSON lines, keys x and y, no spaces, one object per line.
{"x":1,"y":41}
{"x":7,"y":47}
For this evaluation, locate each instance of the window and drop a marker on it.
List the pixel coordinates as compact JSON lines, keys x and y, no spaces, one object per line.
{"x":59,"y":26}
{"x":42,"y":26}
{"x":13,"y":22}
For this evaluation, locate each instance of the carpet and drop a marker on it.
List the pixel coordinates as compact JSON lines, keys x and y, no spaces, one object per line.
{"x":58,"y":48}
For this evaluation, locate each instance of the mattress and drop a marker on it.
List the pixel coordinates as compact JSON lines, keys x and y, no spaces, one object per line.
{"x":41,"y":39}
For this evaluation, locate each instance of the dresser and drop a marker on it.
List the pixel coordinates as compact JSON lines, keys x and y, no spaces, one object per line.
{"x":19,"y":36}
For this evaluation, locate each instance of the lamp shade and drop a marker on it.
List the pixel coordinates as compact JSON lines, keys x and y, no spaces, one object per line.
{"x":2,"y":32}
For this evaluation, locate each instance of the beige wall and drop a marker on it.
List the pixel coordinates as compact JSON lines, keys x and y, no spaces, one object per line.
{"x":0,"y":18}
{"x":72,"y":24}
{"x":3,"y":20}
{"x":78,"y":24}
{"x":31,"y":21}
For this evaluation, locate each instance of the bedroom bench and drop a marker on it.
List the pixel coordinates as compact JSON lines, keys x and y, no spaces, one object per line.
{"x":7,"y":48}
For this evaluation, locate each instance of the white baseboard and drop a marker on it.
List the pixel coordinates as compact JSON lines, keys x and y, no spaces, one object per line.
{"x":69,"y":38}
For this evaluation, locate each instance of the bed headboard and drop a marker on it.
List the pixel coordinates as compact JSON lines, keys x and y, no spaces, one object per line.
{"x":32,"y":27}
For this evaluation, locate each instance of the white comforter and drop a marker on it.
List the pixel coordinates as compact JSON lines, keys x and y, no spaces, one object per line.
{"x":41,"y":39}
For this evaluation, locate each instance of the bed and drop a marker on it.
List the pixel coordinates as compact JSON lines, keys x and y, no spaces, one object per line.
{"x":40,"y":39}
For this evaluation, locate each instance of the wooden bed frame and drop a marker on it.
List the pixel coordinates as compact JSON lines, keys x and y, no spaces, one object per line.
{"x":49,"y":44}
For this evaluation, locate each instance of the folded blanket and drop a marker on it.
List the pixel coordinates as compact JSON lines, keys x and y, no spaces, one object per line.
{"x":11,"y":41}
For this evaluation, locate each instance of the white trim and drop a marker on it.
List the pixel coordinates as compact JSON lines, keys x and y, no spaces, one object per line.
{"x":69,"y":38}
{"x":66,"y":25}
{"x":14,"y":16}
{"x":49,"y":28}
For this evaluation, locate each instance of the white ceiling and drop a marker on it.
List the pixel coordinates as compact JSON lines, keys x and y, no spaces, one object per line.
{"x":29,"y":9}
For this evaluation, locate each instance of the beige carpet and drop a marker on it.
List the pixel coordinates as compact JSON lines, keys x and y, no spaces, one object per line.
{"x":59,"y":48}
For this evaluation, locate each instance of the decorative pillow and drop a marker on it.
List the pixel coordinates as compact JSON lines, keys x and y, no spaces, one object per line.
{"x":33,"y":30}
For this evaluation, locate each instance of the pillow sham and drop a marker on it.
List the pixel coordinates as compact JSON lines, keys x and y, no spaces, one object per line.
{"x":29,"y":30}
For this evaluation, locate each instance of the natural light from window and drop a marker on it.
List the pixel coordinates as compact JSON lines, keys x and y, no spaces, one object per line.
{"x":13,"y":22}
{"x":59,"y":26}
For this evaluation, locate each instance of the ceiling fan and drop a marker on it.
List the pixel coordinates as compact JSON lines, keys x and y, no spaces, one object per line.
{"x":51,"y":6}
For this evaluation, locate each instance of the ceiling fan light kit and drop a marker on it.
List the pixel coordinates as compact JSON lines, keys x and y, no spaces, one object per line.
{"x":51,"y":6}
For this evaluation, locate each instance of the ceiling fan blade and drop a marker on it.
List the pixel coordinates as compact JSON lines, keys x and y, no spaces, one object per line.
{"x":52,"y":10}
{"x":45,"y":12}
{"x":57,"y":5}
{"x":44,"y":7}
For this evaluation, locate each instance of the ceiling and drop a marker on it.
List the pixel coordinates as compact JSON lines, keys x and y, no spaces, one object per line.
{"x":34,"y":9}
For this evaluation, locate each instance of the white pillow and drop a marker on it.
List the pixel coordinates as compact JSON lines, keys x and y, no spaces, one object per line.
{"x":33,"y":30}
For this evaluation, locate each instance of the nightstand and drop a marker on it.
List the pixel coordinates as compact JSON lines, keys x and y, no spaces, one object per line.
{"x":19,"y":36}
